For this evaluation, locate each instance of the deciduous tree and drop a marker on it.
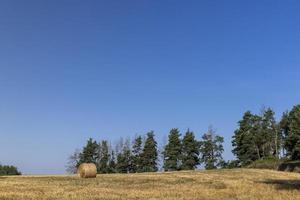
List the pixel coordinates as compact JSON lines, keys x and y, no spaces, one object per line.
{"x":212,"y":149}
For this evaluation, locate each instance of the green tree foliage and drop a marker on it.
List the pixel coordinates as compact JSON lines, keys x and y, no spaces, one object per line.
{"x":172,"y":152}
{"x":211,"y":150}
{"x":112,"y":163}
{"x":257,"y":137}
{"x":103,"y":157}
{"x":89,"y":153}
{"x":124,"y":162}
{"x":244,"y":140}
{"x":137,"y":149}
{"x":284,"y":125}
{"x":284,"y":131}
{"x":270,"y":135}
{"x":290,"y":126}
{"x":190,"y":151}
{"x":7,"y":170}
{"x":149,"y":154}
{"x":142,"y":156}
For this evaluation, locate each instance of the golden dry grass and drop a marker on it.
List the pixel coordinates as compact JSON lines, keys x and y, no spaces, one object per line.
{"x":236,"y":184}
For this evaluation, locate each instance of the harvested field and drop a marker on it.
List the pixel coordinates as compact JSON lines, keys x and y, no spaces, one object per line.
{"x":238,"y":184}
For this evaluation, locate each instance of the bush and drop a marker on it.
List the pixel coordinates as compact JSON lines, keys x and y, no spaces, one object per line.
{"x":6,"y":170}
{"x":270,"y":163}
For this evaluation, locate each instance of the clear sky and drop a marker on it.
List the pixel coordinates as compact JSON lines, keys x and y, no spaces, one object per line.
{"x":70,"y":70}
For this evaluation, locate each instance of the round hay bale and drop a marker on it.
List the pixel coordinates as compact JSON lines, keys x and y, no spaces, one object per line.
{"x":87,"y":170}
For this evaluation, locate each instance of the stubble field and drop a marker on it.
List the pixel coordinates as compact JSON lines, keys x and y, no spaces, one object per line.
{"x":238,"y":184}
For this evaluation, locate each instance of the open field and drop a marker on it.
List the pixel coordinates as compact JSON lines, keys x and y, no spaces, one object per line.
{"x":214,"y":185}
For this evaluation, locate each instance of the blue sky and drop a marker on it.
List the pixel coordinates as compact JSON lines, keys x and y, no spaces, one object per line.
{"x":70,"y":70}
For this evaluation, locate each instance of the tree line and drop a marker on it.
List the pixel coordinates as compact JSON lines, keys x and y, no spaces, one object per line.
{"x":257,"y":137}
{"x":260,"y":136}
{"x":6,"y":170}
{"x":182,"y":152}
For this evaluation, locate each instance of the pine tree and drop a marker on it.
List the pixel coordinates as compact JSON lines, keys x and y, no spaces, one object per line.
{"x":190,"y":151}
{"x":270,"y":135}
{"x":8,"y":170}
{"x":149,"y":154}
{"x":284,"y":130}
{"x":292,"y":139}
{"x":246,"y":139}
{"x":103,"y":157}
{"x":89,"y":153}
{"x":112,"y":163}
{"x":284,"y":124}
{"x":124,"y":162}
{"x":211,"y":150}
{"x":137,"y":150}
{"x":172,"y":152}
{"x":258,"y":137}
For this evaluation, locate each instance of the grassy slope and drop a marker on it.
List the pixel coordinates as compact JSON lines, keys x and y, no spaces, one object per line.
{"x":218,"y":184}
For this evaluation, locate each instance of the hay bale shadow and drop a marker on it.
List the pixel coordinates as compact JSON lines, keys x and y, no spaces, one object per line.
{"x":284,"y":184}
